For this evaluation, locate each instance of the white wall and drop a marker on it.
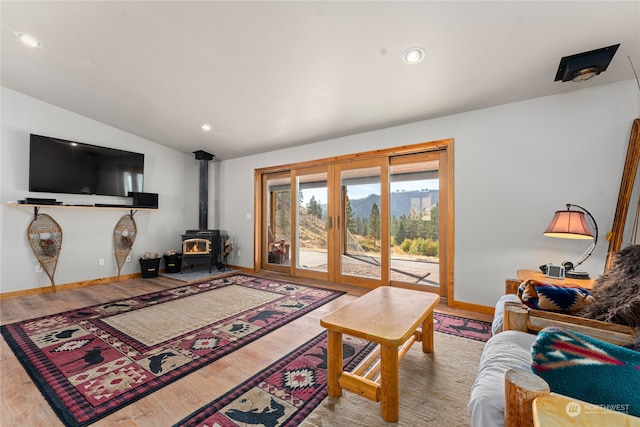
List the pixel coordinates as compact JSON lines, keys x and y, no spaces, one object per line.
{"x":87,"y":232}
{"x":515,"y":165}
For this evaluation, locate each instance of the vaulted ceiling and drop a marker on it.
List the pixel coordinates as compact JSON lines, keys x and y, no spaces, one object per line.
{"x":268,"y":75}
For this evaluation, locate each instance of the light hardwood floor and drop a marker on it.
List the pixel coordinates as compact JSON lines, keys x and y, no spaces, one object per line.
{"x":21,"y":404}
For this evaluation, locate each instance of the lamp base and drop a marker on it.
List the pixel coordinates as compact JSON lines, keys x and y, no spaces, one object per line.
{"x":581,"y":275}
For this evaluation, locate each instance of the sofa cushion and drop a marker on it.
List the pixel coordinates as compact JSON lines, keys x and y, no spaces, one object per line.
{"x":498,"y":316}
{"x":588,"y":369}
{"x":504,"y":351}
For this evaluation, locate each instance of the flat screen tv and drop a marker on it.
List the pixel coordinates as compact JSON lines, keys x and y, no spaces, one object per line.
{"x":60,"y":166}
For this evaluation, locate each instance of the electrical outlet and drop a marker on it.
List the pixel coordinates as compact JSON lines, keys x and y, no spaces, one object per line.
{"x":238,"y":252}
{"x":128,"y":258}
{"x":38,"y":268}
{"x":100,"y":261}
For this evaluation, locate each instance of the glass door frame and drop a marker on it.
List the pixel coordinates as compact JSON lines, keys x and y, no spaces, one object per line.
{"x":445,"y":217}
{"x":303,"y":272}
{"x":340,"y":232}
{"x":262,"y":240}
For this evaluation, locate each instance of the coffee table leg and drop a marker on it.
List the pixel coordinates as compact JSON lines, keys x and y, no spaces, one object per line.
{"x":427,"y":334}
{"x":334,"y":362}
{"x":389,"y":383}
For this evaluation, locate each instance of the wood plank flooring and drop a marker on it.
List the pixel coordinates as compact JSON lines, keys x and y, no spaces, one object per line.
{"x":21,"y":404}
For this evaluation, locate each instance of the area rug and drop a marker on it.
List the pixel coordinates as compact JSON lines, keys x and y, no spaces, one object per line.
{"x":193,"y":274}
{"x":434,"y":389}
{"x":94,"y":360}
{"x":461,"y":326}
{"x":282,"y":394}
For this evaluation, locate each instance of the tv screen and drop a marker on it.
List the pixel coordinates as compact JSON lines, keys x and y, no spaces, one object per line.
{"x":60,"y":166}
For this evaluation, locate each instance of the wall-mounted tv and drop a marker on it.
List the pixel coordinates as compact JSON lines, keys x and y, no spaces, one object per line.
{"x":61,"y":166}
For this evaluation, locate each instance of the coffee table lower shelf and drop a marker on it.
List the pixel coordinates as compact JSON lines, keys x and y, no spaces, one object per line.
{"x":365,"y":378}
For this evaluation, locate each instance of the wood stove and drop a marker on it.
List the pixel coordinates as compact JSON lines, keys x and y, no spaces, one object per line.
{"x":201,"y":247}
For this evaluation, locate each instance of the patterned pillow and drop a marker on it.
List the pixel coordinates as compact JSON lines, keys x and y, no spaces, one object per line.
{"x":588,"y":369}
{"x":545,"y":296}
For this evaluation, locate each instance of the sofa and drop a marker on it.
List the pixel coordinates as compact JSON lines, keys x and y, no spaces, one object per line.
{"x":508,"y":355}
{"x":576,"y":342}
{"x":505,"y":350}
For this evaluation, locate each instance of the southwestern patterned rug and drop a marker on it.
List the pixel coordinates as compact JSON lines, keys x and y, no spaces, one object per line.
{"x":282,"y":394}
{"x":461,"y":327}
{"x":93,"y":361}
{"x":286,"y":392}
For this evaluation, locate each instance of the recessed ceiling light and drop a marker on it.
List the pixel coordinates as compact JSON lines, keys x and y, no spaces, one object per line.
{"x":29,"y":40}
{"x":205,"y":127}
{"x":413,"y":55}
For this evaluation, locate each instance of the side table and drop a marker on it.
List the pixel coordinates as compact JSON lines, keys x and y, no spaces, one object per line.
{"x":538,"y":275}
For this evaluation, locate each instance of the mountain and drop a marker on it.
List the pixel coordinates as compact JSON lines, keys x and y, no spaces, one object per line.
{"x":313,"y":230}
{"x":402,"y":203}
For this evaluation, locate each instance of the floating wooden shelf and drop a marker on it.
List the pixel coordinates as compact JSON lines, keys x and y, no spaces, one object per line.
{"x":36,"y":208}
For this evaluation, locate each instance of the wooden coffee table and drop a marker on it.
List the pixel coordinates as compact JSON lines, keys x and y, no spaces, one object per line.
{"x":390,"y":317}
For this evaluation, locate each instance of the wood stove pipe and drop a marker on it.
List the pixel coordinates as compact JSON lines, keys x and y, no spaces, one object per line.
{"x":203,"y":199}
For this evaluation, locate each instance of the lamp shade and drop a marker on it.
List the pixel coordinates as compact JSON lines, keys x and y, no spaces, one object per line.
{"x":569,"y":225}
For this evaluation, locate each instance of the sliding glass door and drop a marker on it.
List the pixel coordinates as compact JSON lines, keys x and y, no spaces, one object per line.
{"x":276,"y":214}
{"x":360,"y":230}
{"x":312,"y":222}
{"x":414,"y":220}
{"x":381,"y":220}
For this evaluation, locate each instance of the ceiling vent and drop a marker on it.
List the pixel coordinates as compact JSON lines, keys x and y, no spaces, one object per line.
{"x":583,"y":66}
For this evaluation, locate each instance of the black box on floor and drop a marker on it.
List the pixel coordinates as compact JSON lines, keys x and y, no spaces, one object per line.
{"x":173,"y":263}
{"x":149,"y":267}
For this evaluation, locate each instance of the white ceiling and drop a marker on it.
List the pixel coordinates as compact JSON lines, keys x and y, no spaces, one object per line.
{"x":270,"y":75}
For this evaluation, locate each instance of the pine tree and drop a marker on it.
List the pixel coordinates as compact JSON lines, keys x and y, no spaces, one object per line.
{"x":349,"y":215}
{"x":374,"y":223}
{"x":401,"y":232}
{"x":314,"y":208}
{"x":433,"y":228}
{"x":361,"y":226}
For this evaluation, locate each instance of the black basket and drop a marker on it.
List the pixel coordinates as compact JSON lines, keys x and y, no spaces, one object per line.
{"x":173,"y":263}
{"x":149,"y":267}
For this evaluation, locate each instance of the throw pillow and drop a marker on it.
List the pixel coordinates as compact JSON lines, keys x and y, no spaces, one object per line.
{"x":545,"y":296}
{"x":588,"y":369}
